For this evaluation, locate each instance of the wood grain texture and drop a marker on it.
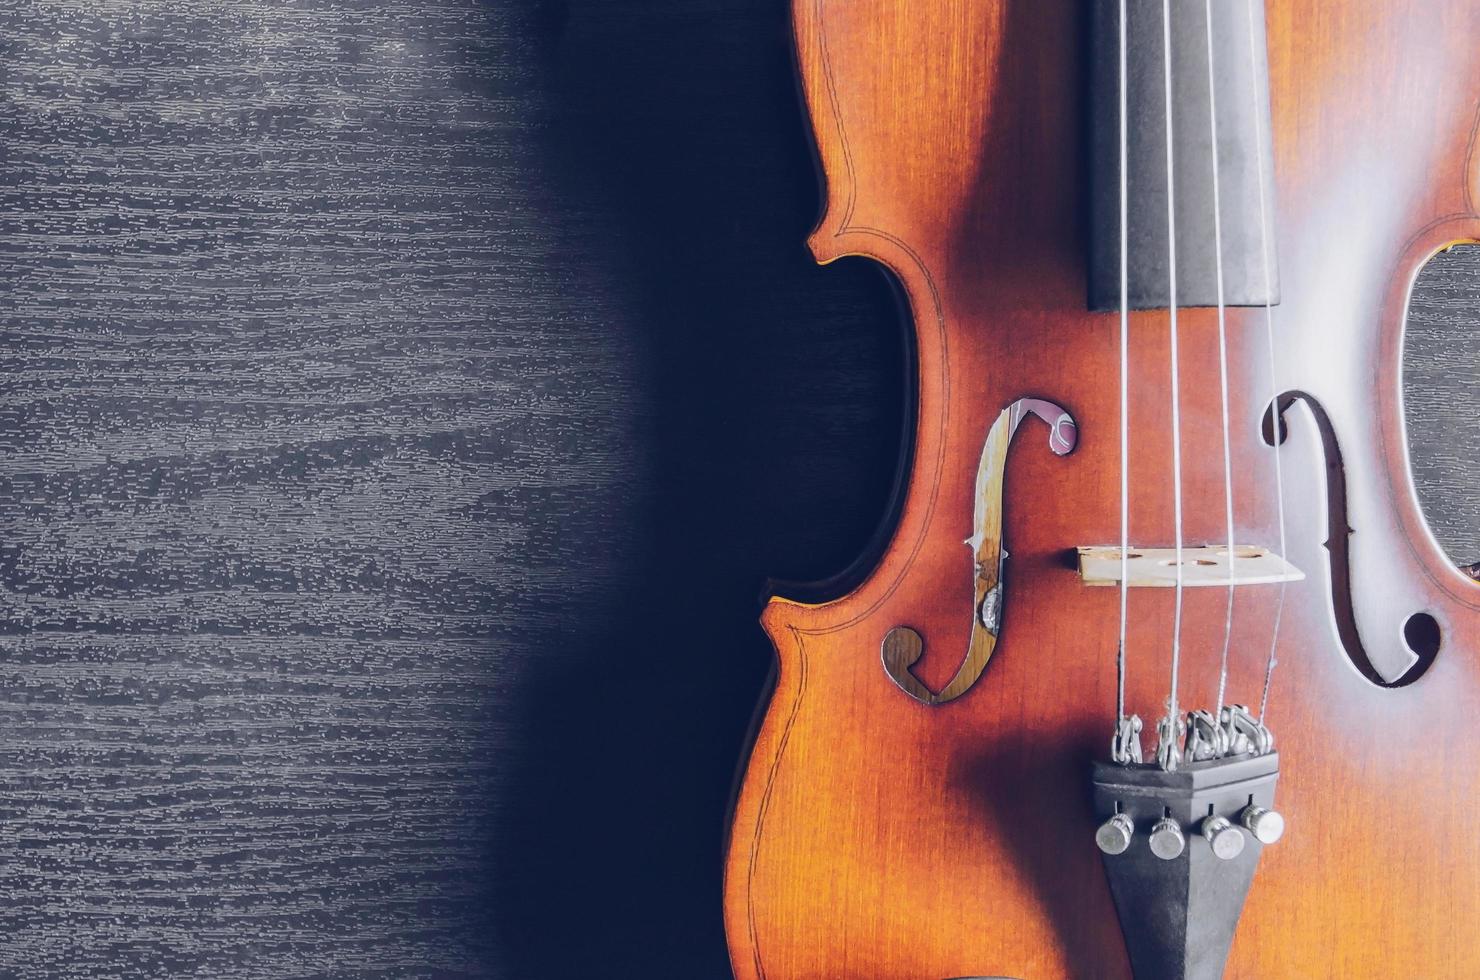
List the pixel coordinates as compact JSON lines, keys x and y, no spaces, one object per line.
{"x":377,"y":374}
{"x":875,"y":837}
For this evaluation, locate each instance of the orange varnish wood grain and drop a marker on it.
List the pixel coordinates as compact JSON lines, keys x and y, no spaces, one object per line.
{"x":875,"y":837}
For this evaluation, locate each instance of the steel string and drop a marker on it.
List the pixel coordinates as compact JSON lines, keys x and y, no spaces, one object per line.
{"x":1222,"y":365}
{"x":1173,"y":714}
{"x":1125,"y":487}
{"x":1274,"y":407}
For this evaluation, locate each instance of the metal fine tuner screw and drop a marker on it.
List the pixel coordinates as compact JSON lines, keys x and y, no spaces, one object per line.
{"x":1226,"y":840}
{"x":1167,"y":841}
{"x":1267,"y":826}
{"x":1114,"y":835}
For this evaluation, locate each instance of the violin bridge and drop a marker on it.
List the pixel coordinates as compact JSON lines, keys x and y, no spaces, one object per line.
{"x":1213,"y":565}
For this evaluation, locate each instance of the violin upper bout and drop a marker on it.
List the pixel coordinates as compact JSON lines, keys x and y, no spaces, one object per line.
{"x":898,"y":94}
{"x":933,"y":164}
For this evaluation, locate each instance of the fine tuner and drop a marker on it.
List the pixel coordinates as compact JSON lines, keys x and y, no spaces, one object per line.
{"x":1167,"y":840}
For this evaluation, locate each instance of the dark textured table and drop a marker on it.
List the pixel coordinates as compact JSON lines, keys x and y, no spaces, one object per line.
{"x":368,"y":400}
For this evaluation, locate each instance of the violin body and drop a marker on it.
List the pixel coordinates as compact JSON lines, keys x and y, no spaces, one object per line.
{"x":877,"y":836}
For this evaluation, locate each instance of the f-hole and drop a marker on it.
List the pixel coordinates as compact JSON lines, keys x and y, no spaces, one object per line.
{"x":1420,"y":631}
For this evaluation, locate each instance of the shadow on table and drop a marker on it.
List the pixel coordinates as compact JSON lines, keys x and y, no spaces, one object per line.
{"x":773,"y":395}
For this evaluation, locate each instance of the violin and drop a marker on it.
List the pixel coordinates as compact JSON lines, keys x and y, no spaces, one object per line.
{"x":1160,"y":673}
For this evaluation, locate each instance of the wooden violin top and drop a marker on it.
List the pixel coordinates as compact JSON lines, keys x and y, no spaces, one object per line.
{"x":879,"y":834}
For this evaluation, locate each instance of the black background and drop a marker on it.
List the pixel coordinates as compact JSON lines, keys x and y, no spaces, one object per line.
{"x":404,"y":405}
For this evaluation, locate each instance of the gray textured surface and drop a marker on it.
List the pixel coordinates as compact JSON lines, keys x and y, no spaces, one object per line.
{"x":1440,"y":378}
{"x":368,"y":401}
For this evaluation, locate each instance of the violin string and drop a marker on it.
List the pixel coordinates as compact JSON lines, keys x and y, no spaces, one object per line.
{"x":1222,"y":363}
{"x":1166,"y":24}
{"x":1274,"y":407}
{"x":1125,"y":487}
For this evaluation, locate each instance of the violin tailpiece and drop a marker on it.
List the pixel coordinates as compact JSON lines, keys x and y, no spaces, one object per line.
{"x":1180,"y":851}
